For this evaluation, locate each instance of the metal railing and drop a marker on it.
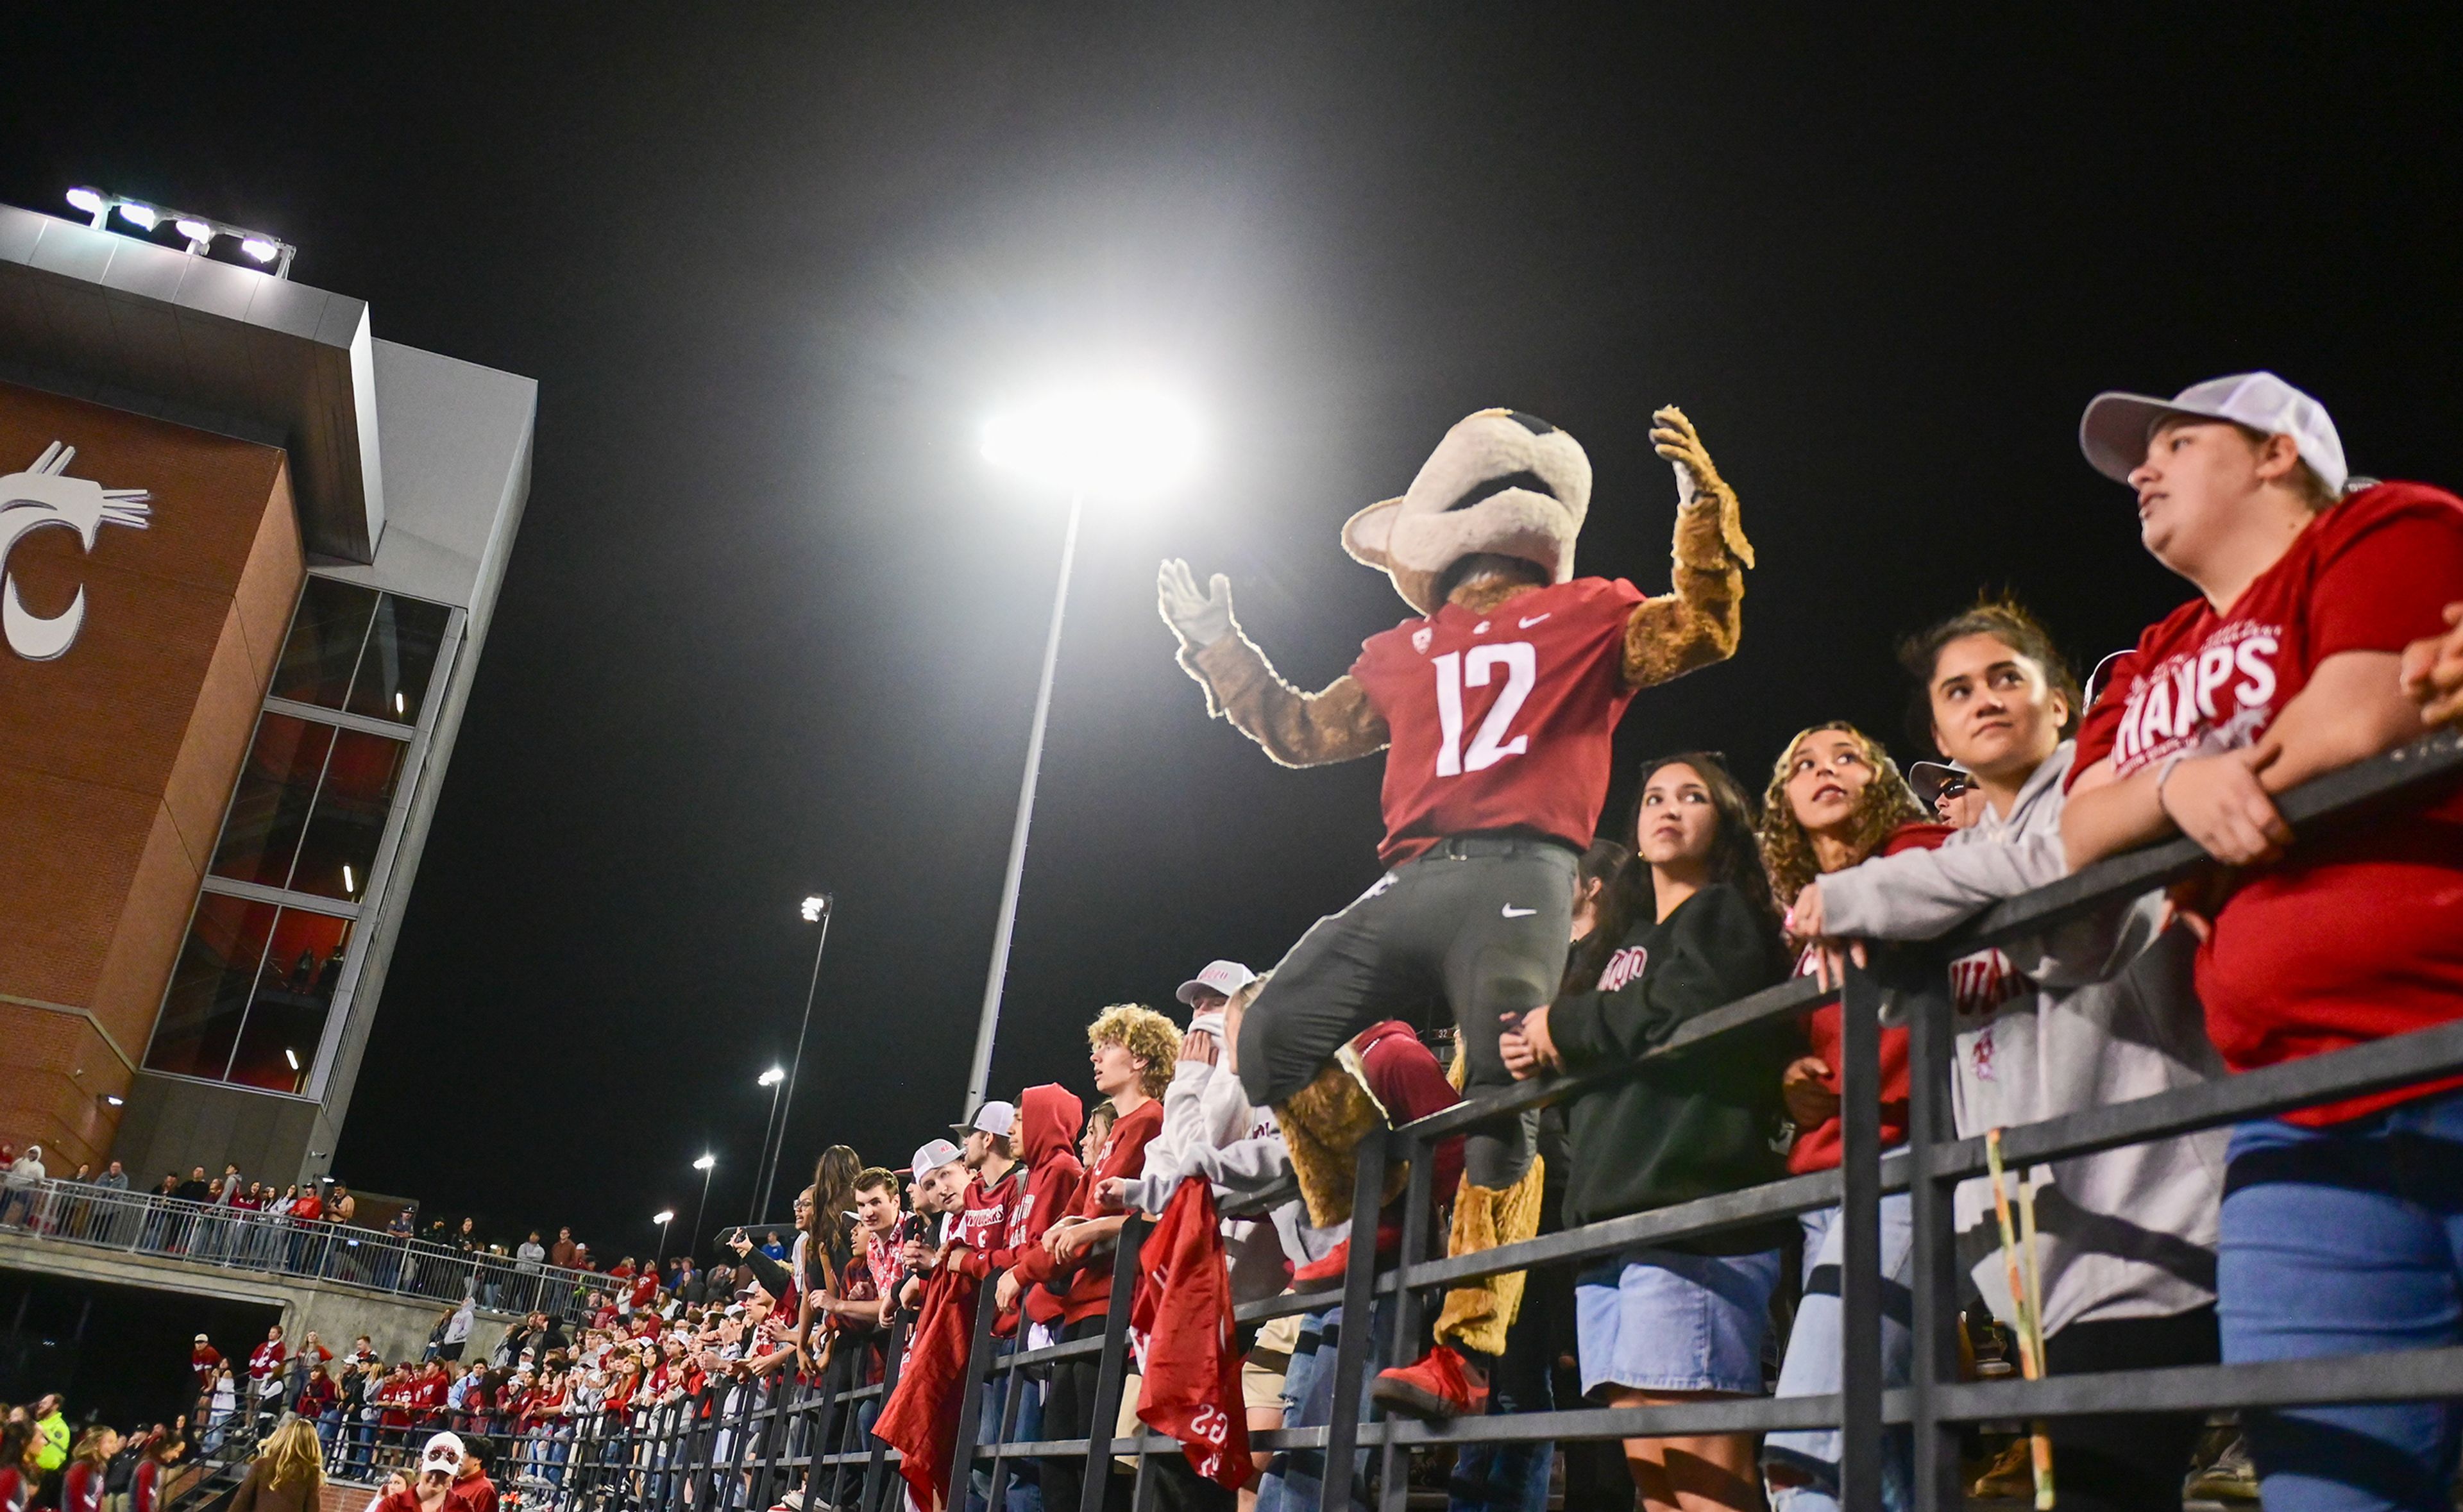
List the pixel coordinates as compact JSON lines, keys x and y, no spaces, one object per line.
{"x":241,"y":1238}
{"x":742,"y":1444}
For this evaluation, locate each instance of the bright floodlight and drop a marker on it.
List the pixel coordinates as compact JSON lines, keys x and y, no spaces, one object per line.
{"x":774,"y":1076}
{"x":139,"y":214}
{"x":663,"y":1217}
{"x":258,"y":248}
{"x":1113,"y":440}
{"x":815,"y":908}
{"x":195,"y":230}
{"x":90,"y":200}
{"x":706,"y":1162}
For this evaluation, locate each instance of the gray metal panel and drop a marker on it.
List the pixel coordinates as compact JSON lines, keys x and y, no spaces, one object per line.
{"x":91,"y":314}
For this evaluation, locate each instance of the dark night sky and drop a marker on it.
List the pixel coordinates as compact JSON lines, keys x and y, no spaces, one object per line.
{"x":772,"y":625}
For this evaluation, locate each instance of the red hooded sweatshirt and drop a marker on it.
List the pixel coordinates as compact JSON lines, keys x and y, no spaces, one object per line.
{"x":1123,"y":1154}
{"x":1049,"y":1119}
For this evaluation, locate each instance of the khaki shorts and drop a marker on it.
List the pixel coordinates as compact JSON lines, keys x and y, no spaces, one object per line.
{"x":1261,"y":1374}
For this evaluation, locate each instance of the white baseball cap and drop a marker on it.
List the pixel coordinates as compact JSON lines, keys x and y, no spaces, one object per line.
{"x":444,"y":1452}
{"x":1225,"y":977}
{"x":932,"y":1156}
{"x":993,"y":1117}
{"x":2117,"y":426}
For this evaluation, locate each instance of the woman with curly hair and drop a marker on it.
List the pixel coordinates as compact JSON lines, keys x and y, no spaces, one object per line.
{"x":1836,"y":798}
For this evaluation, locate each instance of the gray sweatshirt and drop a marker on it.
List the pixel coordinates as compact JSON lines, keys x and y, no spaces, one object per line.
{"x":1209,"y":1130}
{"x":2100,"y":1011}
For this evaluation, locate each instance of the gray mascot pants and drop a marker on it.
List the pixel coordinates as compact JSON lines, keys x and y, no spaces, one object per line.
{"x":1482,"y":922}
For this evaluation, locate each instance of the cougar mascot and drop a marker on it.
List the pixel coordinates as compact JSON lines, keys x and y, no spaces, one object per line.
{"x":1495,"y":706}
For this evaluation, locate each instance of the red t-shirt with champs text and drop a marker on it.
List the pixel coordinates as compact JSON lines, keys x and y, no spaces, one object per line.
{"x":2357,"y":935}
{"x":1501,"y":720}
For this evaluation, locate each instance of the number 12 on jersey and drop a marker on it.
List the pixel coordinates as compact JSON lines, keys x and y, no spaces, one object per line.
{"x":1476,"y":668}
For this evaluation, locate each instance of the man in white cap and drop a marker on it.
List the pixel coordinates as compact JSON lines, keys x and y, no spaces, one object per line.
{"x":2286,"y":666}
{"x":431,"y":1485}
{"x":940,"y":1176}
{"x":993,"y":1182}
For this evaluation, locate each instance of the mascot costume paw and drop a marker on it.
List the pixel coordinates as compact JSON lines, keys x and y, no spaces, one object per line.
{"x":1495,"y":707}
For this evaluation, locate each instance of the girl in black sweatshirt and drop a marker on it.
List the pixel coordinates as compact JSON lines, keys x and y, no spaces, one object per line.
{"x":1686,"y":927}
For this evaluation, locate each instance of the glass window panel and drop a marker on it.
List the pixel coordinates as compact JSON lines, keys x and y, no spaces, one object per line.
{"x":209,"y":988}
{"x":401,"y":653}
{"x":350,"y":815}
{"x":326,"y":631}
{"x":271,"y":805}
{"x":285,"y":1021}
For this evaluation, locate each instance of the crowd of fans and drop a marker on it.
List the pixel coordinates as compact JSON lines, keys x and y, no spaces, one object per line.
{"x":45,"y":1463}
{"x":2328,"y":627}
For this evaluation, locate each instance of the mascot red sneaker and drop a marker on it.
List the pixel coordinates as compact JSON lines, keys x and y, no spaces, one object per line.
{"x":1496,"y":709}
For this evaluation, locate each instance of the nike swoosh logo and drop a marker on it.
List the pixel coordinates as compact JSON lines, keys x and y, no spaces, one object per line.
{"x":1511,"y":912}
{"x":1533,"y":619}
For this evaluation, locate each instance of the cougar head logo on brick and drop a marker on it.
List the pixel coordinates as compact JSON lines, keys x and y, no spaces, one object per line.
{"x":46,"y":495}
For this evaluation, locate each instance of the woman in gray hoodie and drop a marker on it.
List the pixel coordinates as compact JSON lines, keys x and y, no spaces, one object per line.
{"x":2100,"y":1011}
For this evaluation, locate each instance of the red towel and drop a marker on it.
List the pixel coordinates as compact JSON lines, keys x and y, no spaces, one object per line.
{"x":921,"y":1419}
{"x":1182,"y":1319}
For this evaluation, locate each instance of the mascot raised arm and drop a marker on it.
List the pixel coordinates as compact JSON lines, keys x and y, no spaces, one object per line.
{"x":1496,"y":705}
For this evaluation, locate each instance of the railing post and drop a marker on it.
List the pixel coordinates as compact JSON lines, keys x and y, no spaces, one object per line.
{"x":1105,"y":1411}
{"x":875,"y":1495}
{"x":1931,"y":1033}
{"x":1359,"y":1330}
{"x":1394,"y":1479}
{"x":970,"y":1399}
{"x":1860,"y":1267}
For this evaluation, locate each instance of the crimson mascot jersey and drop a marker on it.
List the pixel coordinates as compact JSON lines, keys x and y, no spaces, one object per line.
{"x":1501,"y":720}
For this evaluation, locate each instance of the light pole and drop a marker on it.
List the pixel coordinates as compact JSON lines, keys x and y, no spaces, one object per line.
{"x":1118,"y":441}
{"x":704,"y":1165}
{"x":662,"y":1218}
{"x":818,"y":910}
{"x":773,"y":1078}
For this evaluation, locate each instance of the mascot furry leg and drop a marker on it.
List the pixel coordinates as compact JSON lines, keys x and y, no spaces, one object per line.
{"x":1496,"y":708}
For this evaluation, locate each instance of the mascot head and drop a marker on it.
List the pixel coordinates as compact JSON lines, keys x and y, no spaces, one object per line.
{"x":1501,"y":484}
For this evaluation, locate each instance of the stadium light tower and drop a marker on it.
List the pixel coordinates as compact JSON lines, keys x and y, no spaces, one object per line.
{"x":662,"y":1218}
{"x":1115,"y":442}
{"x":774,"y":1078}
{"x":817,"y":909}
{"x":706,"y":1164}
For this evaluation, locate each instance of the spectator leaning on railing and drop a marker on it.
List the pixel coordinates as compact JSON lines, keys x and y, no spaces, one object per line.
{"x":2337,"y":1236}
{"x":2100,"y":1011}
{"x":1692,"y":928}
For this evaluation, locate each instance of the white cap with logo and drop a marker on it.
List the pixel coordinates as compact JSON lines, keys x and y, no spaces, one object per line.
{"x":932,"y":1156}
{"x":2117,"y":426}
{"x":993,"y":1117}
{"x":1225,"y":977}
{"x":444,"y":1452}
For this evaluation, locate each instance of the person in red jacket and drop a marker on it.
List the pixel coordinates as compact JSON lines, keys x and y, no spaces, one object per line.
{"x":1049,"y":1119}
{"x":1836,"y":798}
{"x":81,"y":1487}
{"x":1132,"y":1050}
{"x":205,"y":1359}
{"x":145,"y":1484}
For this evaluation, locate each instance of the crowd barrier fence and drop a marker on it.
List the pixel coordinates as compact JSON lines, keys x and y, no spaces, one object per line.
{"x":741,"y":1445}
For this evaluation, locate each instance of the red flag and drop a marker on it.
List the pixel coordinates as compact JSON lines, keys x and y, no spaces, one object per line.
{"x":919,"y":1420}
{"x":1183,"y":1314}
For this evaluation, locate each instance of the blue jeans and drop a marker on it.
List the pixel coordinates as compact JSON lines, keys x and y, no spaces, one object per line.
{"x":1294,"y":1475}
{"x":1814,"y":1368}
{"x":1506,"y":1478}
{"x":2346,"y":1240}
